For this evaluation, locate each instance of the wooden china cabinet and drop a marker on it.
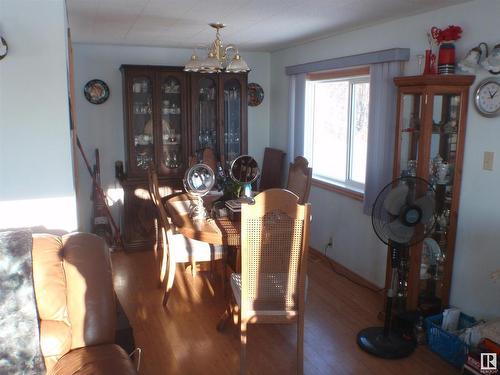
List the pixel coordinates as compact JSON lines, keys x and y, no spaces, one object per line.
{"x":430,"y":135}
{"x":170,"y":115}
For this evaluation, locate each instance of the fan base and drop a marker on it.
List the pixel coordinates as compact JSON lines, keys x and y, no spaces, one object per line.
{"x":373,"y":341}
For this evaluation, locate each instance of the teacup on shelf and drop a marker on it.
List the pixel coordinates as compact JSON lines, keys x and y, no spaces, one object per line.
{"x":442,"y":172}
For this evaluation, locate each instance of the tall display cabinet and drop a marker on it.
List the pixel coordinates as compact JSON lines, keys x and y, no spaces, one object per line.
{"x":430,"y":134}
{"x":170,"y":115}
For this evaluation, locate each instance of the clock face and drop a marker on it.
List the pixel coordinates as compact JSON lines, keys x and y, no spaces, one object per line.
{"x":488,"y":98}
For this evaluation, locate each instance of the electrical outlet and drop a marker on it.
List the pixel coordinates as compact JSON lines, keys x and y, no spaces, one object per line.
{"x":488,"y":160}
{"x":330,"y":242}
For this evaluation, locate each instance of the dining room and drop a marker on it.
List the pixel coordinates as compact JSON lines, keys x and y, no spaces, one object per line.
{"x":250,"y":186}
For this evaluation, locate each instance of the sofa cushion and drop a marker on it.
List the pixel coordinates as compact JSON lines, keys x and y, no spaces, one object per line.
{"x":19,"y":333}
{"x":95,"y":360}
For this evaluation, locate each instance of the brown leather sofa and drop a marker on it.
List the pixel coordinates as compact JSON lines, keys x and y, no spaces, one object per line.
{"x":76,"y":306}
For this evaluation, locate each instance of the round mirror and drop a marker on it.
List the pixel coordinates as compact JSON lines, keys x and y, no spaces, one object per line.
{"x":244,"y":169}
{"x":199,"y":179}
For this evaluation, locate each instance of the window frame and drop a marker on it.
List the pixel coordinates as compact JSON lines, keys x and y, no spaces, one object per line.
{"x":349,"y":187}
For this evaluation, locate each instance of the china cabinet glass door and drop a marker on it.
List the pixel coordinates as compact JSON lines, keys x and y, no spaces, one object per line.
{"x":172,"y":123}
{"x":205,"y":129}
{"x":232,"y":120}
{"x":141,"y":120}
{"x":442,"y":161}
{"x":411,"y":119}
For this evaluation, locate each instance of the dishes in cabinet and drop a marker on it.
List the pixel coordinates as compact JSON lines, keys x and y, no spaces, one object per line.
{"x":171,"y":88}
{"x":432,"y":251}
{"x":143,"y":140}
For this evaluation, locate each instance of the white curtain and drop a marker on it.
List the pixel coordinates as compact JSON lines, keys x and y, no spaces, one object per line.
{"x":296,"y":108}
{"x":381,"y":129}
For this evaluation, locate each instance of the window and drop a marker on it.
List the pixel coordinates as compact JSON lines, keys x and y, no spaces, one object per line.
{"x":336,"y":128}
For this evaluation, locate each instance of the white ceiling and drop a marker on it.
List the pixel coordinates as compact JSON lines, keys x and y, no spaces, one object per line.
{"x":255,"y":25}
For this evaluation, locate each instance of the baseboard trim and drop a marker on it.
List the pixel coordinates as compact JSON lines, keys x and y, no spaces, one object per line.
{"x":344,"y":270}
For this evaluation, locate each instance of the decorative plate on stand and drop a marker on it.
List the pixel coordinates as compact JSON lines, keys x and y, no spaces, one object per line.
{"x":96,"y":91}
{"x":255,"y":94}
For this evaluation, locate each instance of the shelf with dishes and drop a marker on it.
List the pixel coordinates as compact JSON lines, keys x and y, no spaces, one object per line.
{"x":172,"y":160}
{"x":171,"y":87}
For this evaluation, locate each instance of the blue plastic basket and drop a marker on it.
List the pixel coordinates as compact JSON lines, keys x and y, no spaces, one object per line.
{"x":446,"y":344}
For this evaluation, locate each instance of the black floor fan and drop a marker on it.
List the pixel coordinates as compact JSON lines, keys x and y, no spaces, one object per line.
{"x":403,"y":214}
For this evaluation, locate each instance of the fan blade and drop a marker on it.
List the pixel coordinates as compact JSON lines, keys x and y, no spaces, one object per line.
{"x":426,"y":204}
{"x":396,"y":199}
{"x":399,"y":232}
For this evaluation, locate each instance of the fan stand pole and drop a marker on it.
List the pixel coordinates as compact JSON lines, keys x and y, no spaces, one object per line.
{"x":380,"y":341}
{"x":391,"y":291}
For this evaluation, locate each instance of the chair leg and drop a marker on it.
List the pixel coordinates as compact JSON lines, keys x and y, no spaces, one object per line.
{"x":300,"y":345}
{"x":170,"y":280}
{"x":193,"y":267}
{"x":163,"y":264}
{"x":243,"y":343}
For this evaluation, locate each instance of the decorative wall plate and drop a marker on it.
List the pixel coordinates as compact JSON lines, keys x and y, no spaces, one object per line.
{"x":4,"y":48}
{"x":255,"y":94}
{"x":96,"y":91}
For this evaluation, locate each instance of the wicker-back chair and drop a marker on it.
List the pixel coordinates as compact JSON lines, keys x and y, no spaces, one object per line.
{"x":175,"y":248}
{"x":299,"y":178}
{"x":274,"y":243}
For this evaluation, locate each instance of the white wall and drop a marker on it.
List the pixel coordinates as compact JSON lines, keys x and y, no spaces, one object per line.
{"x":101,"y":126}
{"x":356,"y":247}
{"x":36,"y":181}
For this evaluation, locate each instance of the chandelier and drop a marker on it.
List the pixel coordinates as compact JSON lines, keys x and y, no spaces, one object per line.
{"x":219,"y":58}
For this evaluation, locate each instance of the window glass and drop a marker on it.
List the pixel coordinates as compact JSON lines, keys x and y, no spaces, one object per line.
{"x":336,"y":126}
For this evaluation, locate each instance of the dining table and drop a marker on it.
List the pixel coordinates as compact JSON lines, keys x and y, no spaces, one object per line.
{"x":213,"y":230}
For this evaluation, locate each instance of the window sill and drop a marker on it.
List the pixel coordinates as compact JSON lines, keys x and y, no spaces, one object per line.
{"x":338,"y":189}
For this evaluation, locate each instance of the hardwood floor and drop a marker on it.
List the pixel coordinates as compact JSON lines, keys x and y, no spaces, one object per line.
{"x":182,"y":339}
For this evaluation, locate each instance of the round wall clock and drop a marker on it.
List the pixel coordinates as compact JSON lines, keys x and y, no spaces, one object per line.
{"x":255,"y":94}
{"x":487,"y":98}
{"x":96,"y":91}
{"x":4,"y":48}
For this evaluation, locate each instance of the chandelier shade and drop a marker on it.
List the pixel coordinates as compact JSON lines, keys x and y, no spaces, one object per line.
{"x":219,"y":58}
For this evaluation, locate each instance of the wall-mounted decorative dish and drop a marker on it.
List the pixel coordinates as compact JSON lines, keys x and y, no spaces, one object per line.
{"x":4,"y":48}
{"x":255,"y":94}
{"x":96,"y":91}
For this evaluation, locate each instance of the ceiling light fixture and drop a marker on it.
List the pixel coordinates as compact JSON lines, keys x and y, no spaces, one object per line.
{"x":219,"y":58}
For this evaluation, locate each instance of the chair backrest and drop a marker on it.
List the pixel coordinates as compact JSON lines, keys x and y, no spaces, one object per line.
{"x":299,"y":178}
{"x":208,"y":157}
{"x":274,"y":242}
{"x":154,"y":193}
{"x":272,"y":169}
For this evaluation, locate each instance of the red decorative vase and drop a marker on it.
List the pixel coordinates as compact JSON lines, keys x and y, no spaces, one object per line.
{"x":446,"y":58}
{"x":430,"y":62}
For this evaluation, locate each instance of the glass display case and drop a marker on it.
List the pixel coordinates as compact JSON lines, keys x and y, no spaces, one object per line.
{"x":170,"y":115}
{"x":431,"y":125}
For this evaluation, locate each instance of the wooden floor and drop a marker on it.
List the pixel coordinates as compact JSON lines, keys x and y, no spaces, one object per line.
{"x":182,"y":339}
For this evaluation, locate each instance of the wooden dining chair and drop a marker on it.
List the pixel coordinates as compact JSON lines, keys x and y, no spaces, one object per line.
{"x":157,"y":247}
{"x":272,"y":169}
{"x":272,"y":283}
{"x":209,"y":158}
{"x":299,"y":178}
{"x":176,"y":248}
